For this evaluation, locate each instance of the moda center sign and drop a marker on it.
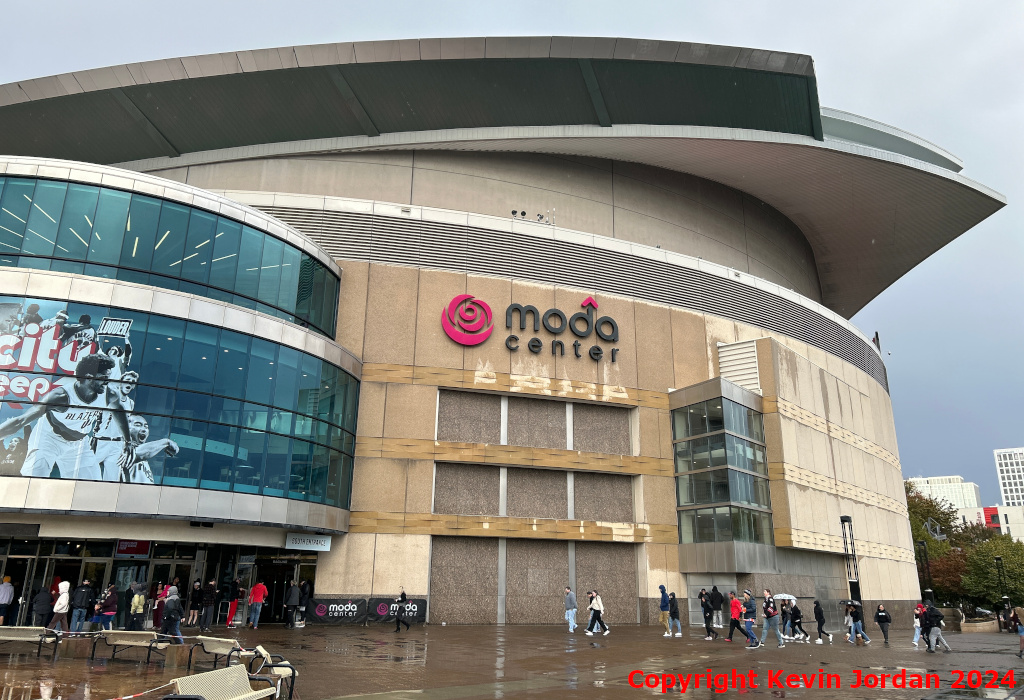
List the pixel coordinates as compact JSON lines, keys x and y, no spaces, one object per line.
{"x":469,"y":321}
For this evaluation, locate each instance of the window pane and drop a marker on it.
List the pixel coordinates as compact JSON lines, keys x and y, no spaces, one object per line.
{"x":701,"y":457}
{"x":14,"y":208}
{"x":270,"y":270}
{"x":318,"y":474}
{"x":309,"y":385}
{"x":306,"y":291}
{"x":247,"y":277}
{"x":705,"y":525}
{"x":716,"y":418}
{"x":219,"y":457}
{"x":679,"y":424}
{"x":232,"y":360}
{"x":108,"y":228}
{"x":720,"y":485}
{"x":226,"y":244}
{"x":41,"y":231}
{"x":684,"y":491}
{"x":140,"y":233}
{"x":251,"y":455}
{"x":697,"y":419}
{"x":687,"y":526}
{"x":277,"y":467}
{"x":76,"y":221}
{"x":716,"y":447}
{"x":754,"y":425}
{"x":198,"y":357}
{"x":162,"y":357}
{"x":184,"y":468}
{"x":194,"y":263}
{"x":288,"y":365}
{"x":735,"y":417}
{"x":170,"y":239}
{"x":723,"y":524}
{"x":289,"y":278}
{"x":335,"y":480}
{"x":260,"y":382}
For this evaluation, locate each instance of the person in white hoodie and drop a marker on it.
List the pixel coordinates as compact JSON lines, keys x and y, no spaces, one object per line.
{"x":596,"y":611}
{"x":60,"y":608}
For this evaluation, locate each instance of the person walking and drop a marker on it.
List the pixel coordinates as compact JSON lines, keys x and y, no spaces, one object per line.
{"x":174,"y":613}
{"x":107,"y":608}
{"x":882,"y":619}
{"x":305,"y":593}
{"x":735,"y":615}
{"x":787,"y":632}
{"x":796,"y":623}
{"x":7,"y":595}
{"x":771,"y":619}
{"x":42,"y":607}
{"x":209,"y":601}
{"x":709,"y":617}
{"x":716,"y":606}
{"x":137,"y":609}
{"x":195,"y":603}
{"x":1018,"y":620}
{"x":257,"y":595}
{"x":749,"y":615}
{"x":83,"y":600}
{"x":663,"y":615}
{"x":291,"y":604}
{"x":596,"y":608}
{"x":933,"y":623}
{"x":61,"y":607}
{"x":857,"y":626}
{"x":819,"y":617}
{"x":235,"y":592}
{"x":673,"y":614}
{"x":570,"y":608}
{"x":918,"y":619}
{"x":402,"y":601}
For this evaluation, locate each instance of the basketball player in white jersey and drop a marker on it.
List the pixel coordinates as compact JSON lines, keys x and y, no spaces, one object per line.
{"x":135,"y":467}
{"x":107,"y":441}
{"x":66,"y":417}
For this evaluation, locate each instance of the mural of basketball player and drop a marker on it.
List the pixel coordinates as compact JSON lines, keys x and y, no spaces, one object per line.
{"x":135,"y":467}
{"x":66,"y":416}
{"x":108,"y":442}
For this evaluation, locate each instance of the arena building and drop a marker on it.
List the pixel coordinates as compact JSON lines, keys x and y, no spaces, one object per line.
{"x":476,"y":317}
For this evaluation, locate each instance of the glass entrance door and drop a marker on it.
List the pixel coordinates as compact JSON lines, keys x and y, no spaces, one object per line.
{"x":20,"y":572}
{"x":125,"y":574}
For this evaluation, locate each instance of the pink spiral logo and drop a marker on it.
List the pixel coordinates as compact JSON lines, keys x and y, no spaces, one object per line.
{"x":467,"y":320}
{"x":321,"y":610}
{"x":382,"y":609}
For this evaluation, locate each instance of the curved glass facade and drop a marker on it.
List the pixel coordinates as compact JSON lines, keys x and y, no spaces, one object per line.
{"x":109,"y":394}
{"x":104,"y":232}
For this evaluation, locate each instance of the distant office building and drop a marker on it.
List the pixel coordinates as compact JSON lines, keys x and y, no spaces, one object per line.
{"x":952,"y":489}
{"x":1010,"y":467}
{"x":1009,"y":520}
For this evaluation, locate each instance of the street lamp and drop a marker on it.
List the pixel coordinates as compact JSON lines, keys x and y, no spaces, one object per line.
{"x":928,"y":592}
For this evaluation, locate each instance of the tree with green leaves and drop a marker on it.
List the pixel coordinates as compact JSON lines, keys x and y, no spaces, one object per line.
{"x":981,"y":581}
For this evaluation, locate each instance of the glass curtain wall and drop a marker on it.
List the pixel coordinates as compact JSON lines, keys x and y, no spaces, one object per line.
{"x":103,"y":232}
{"x":721,"y":473}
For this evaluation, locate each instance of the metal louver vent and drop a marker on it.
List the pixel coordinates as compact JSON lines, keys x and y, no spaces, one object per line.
{"x":737,"y":362}
{"x":463,"y":248}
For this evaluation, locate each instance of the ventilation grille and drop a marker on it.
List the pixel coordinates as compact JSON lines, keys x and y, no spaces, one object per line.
{"x":463,"y":248}
{"x":737,"y":362}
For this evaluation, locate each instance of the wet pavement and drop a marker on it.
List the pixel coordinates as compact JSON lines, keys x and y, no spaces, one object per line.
{"x":442,"y":663}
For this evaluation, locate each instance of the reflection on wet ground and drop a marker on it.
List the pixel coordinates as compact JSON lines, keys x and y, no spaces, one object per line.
{"x":443,"y":663}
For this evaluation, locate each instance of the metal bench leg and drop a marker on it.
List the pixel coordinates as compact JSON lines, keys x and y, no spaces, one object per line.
{"x":188,"y":668}
{"x":95,"y":641}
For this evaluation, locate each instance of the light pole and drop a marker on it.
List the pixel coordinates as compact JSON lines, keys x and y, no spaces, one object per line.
{"x":923,"y":547}
{"x":1001,"y":573}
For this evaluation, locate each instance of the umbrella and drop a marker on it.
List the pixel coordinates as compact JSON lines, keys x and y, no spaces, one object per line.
{"x":855,"y":603}
{"x":784,"y":596}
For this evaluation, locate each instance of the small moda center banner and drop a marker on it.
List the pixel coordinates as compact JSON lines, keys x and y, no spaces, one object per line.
{"x":336,"y":611}
{"x":383,"y":609}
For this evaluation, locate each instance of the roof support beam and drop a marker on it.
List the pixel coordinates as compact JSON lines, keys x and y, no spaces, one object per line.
{"x":596,"y":98}
{"x":135,"y":113}
{"x":347,"y":94}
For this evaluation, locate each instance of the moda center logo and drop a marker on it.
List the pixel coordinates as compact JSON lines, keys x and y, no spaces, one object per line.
{"x":338,"y":610}
{"x":468,"y":321}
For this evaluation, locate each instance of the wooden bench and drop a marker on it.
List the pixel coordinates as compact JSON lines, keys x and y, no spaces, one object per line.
{"x":229,"y":683}
{"x":31,"y":635}
{"x":120,"y":641}
{"x":275,"y":667}
{"x":220,"y":648}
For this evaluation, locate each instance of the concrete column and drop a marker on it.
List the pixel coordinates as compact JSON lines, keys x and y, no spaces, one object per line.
{"x":568,"y":425}
{"x":570,"y":487}
{"x":502,"y":558}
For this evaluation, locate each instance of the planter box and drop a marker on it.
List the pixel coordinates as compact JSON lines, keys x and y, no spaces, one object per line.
{"x":975,"y":627}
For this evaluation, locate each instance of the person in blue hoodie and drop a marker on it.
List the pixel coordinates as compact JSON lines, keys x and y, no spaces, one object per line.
{"x":663,"y":616}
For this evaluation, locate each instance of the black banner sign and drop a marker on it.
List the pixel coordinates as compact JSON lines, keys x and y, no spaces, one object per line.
{"x":336,"y":611}
{"x":383,"y":609}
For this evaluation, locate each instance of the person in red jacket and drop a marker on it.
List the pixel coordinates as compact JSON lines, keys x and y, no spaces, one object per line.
{"x":736,"y":617}
{"x":257,"y":596}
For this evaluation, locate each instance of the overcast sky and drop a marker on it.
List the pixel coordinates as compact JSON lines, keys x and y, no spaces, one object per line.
{"x":949,"y":72}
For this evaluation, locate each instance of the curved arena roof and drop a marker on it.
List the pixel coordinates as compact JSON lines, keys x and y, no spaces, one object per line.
{"x":872,"y":200}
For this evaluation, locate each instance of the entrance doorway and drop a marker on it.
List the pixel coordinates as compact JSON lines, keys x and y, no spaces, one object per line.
{"x":275,"y":574}
{"x":18,"y":570}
